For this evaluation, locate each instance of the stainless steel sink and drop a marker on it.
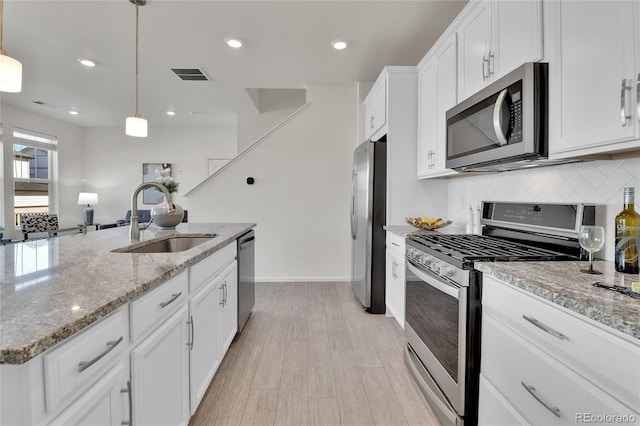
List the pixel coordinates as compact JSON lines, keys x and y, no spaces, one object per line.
{"x":168,"y":245}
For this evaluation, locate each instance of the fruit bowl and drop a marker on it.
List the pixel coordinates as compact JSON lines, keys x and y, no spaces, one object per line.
{"x":427,"y":223}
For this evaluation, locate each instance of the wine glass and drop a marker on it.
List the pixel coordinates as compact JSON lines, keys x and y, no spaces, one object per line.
{"x":591,"y":239}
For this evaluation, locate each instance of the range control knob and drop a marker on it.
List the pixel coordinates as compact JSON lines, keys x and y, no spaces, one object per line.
{"x":447,"y":271}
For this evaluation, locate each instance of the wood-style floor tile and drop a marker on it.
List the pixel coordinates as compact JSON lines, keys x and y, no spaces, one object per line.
{"x":310,"y":355}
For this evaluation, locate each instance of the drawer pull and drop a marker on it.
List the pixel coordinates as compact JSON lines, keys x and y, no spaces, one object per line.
{"x":193,"y":333}
{"x":127,"y":390}
{"x":395,"y":244}
{"x":532,"y":391}
{"x":83,"y":365}
{"x":173,"y":298}
{"x":545,"y":328}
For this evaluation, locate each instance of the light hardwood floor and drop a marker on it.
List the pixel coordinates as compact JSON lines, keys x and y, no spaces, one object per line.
{"x":310,"y":355}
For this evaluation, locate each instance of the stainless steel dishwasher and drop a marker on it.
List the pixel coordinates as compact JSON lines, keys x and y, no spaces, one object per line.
{"x":246,"y":277}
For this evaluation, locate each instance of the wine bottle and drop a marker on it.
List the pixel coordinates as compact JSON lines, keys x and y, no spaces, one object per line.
{"x":627,"y":235}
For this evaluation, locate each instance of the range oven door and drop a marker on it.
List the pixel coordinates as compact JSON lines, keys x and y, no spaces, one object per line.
{"x":436,"y":332}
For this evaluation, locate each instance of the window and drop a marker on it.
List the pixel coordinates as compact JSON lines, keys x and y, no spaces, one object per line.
{"x":32,"y":163}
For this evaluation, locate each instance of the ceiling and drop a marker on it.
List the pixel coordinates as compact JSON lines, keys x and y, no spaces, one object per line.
{"x":287,"y":45}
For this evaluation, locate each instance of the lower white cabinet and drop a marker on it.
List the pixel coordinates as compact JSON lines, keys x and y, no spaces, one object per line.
{"x":227,"y":308}
{"x":203,"y":347}
{"x":394,"y":282}
{"x":106,"y":403}
{"x":529,"y":377}
{"x":160,"y":374}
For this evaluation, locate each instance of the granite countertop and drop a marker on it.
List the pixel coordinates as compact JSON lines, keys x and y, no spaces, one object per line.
{"x":563,"y":284}
{"x":53,"y":288}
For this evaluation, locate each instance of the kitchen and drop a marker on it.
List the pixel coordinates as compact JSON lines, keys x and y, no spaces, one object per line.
{"x":279,"y":258}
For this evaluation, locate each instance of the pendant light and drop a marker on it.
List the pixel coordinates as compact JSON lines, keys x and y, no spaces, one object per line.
{"x":10,"y":69}
{"x":136,"y":125}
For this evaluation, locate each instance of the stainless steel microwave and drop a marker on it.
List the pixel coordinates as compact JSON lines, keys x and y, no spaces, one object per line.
{"x":502,"y":127}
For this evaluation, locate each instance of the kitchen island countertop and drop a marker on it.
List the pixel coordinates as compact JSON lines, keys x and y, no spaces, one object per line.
{"x":562,"y":283}
{"x":52,"y":288}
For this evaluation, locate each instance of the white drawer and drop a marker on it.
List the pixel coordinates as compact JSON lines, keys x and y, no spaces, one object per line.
{"x":202,"y":271}
{"x":494,"y":410}
{"x":150,"y":309}
{"x":604,"y":358}
{"x":511,"y":364}
{"x":395,"y":243}
{"x":77,"y":363}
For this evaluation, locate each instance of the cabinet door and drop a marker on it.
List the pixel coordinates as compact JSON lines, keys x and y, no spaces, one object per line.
{"x":160,"y":374}
{"x":474,"y":38}
{"x":447,"y":99}
{"x":203,"y":347}
{"x":427,"y":118}
{"x":394,"y":296}
{"x":515,"y":40}
{"x":227,"y":308}
{"x":376,"y":109}
{"x":105,"y":403}
{"x":594,"y":75}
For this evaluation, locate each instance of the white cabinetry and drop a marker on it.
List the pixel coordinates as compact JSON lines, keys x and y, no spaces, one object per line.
{"x":160,"y":374}
{"x":106,"y":403}
{"x":495,"y":37}
{"x":395,"y":286}
{"x":227,"y":307}
{"x":594,"y":77}
{"x":375,"y":110}
{"x":546,"y":365}
{"x":436,"y":94}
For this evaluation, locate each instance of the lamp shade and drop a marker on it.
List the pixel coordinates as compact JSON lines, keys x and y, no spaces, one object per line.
{"x":10,"y":74}
{"x":136,"y":126}
{"x":88,"y":198}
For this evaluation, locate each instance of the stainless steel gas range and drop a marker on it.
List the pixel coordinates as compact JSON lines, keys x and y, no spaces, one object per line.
{"x":444,"y":293}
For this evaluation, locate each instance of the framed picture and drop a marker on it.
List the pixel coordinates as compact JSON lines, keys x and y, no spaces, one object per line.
{"x":152,"y":172}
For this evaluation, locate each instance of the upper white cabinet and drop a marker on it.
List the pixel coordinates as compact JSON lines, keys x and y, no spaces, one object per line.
{"x":495,"y":37}
{"x":375,"y":107}
{"x":436,"y":94}
{"x":594,"y":77}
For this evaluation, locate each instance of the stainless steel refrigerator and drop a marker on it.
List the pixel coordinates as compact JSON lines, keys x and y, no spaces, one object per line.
{"x":368,"y":216}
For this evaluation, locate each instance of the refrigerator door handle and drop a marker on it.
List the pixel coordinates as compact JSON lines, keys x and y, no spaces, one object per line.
{"x":354,"y":223}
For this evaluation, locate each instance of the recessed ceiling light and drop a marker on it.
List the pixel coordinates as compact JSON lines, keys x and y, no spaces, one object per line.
{"x":87,"y":62}
{"x":233,"y":42}
{"x":171,"y":113}
{"x":339,"y":44}
{"x":74,"y":112}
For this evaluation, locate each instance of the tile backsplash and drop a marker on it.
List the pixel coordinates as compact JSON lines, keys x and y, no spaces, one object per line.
{"x":597,"y":182}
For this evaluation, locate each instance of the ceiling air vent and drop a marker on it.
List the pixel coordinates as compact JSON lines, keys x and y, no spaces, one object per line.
{"x":190,"y":74}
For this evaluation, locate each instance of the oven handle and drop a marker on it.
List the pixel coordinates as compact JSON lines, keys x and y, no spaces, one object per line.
{"x":444,"y":287}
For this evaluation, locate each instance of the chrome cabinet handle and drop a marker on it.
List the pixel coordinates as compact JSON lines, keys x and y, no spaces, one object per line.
{"x":193,"y":332}
{"x":371,"y":125}
{"x":491,"y":62}
{"x":395,"y":244}
{"x":532,"y":391}
{"x":484,"y":74}
{"x":224,"y":288}
{"x":545,"y":328}
{"x":128,"y":390}
{"x":173,"y":298}
{"x":638,"y":97}
{"x":83,"y":365}
{"x":623,"y":103}
{"x":221,"y":303}
{"x":497,"y":117}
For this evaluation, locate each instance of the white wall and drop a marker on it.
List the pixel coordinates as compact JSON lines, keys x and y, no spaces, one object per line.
{"x":68,"y":173}
{"x":300,"y":199}
{"x":113,"y":163}
{"x":599,"y":182}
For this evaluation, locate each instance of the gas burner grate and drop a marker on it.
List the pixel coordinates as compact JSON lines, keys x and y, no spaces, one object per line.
{"x":468,"y":248}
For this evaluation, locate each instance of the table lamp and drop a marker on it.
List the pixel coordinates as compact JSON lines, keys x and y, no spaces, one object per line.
{"x":88,"y":198}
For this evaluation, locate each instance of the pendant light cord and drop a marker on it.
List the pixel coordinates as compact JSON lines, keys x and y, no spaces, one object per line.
{"x":2,"y":52}
{"x":137,"y":8}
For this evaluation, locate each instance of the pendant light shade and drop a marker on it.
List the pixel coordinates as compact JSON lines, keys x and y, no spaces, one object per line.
{"x":10,"y":69}
{"x":136,"y":125}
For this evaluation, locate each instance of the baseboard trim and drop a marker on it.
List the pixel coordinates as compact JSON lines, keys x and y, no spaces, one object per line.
{"x":301,"y":279}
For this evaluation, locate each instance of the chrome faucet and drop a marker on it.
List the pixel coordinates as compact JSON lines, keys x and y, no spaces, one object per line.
{"x":134,"y":227}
